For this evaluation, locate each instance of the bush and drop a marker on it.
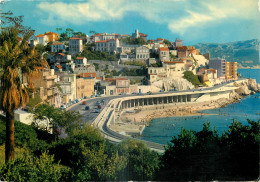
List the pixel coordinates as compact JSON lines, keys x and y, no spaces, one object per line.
{"x":29,"y":168}
{"x":188,"y":75}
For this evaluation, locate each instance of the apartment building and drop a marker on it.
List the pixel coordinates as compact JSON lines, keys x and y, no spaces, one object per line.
{"x":109,"y":45}
{"x":57,"y":47}
{"x":218,"y":64}
{"x":75,"y":45}
{"x":45,"y":84}
{"x":231,"y":71}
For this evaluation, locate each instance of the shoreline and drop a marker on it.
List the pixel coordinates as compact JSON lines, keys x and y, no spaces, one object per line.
{"x":145,"y":115}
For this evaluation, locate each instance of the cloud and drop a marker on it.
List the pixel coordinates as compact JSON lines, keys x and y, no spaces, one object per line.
{"x":179,"y":15}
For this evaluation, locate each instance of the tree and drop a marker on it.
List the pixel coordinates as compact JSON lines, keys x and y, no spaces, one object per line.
{"x":142,"y":163}
{"x":17,"y":60}
{"x":167,"y":42}
{"x":57,"y":118}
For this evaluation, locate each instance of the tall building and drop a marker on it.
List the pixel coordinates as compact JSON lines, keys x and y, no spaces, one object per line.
{"x":231,"y":71}
{"x":218,"y":64}
{"x":75,"y":45}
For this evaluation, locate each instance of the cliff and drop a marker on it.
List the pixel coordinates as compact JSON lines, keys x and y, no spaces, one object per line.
{"x":247,"y":87}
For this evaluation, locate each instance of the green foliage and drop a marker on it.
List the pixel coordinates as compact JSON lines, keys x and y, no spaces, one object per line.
{"x":29,"y":168}
{"x":204,"y":155}
{"x":67,"y":120}
{"x":91,"y":54}
{"x":134,"y":72}
{"x":142,"y":163}
{"x":135,"y":41}
{"x":167,"y":42}
{"x":33,"y":102}
{"x":188,"y":75}
{"x":40,"y":48}
{"x":86,"y":152}
{"x":136,"y":63}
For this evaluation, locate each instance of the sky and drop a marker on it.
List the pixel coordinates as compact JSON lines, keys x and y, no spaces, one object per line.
{"x":193,"y":21}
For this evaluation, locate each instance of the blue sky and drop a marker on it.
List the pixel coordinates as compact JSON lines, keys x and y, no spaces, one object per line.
{"x":194,"y":21}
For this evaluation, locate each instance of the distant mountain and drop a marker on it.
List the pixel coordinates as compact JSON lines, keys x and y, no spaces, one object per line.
{"x":246,"y":53}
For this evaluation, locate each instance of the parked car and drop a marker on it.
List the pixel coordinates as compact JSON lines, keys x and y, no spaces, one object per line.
{"x":161,"y":90}
{"x":134,"y":93}
{"x":76,"y":100}
{"x":92,"y":96}
{"x":97,"y":103}
{"x":122,"y":93}
{"x":84,"y":102}
{"x":85,"y":97}
{"x":87,"y":108}
{"x":97,"y":95}
{"x":150,"y":93}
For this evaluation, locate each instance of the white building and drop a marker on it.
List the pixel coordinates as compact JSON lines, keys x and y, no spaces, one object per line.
{"x":68,"y":87}
{"x":41,"y":39}
{"x":109,"y":45}
{"x":75,"y":45}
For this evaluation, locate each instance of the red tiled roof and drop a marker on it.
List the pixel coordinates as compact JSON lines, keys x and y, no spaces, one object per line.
{"x":163,"y":48}
{"x":59,"y":66}
{"x":182,"y":48}
{"x":87,"y":75}
{"x":57,"y":43}
{"x":102,"y":41}
{"x":159,"y":39}
{"x":61,"y":54}
{"x":75,"y":38}
{"x":98,"y":34}
{"x":124,"y":35}
{"x":212,"y":70}
{"x":121,"y":79}
{"x":80,"y":57}
{"x":143,"y":35}
{"x":40,"y":35}
{"x":48,"y":33}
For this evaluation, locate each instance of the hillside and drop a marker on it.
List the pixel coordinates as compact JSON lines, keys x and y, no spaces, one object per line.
{"x":246,"y":53}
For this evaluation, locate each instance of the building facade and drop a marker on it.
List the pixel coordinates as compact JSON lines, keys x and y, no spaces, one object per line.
{"x":231,"y":71}
{"x":164,"y":54}
{"x":84,"y":87}
{"x":52,"y":36}
{"x":218,"y":64}
{"x":57,"y":47}
{"x":75,"y":45}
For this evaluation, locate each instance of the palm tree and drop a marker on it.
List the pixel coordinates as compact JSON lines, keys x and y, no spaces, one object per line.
{"x":17,"y":59}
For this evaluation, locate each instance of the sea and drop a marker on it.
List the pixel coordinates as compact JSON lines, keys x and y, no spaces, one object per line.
{"x":162,"y":130}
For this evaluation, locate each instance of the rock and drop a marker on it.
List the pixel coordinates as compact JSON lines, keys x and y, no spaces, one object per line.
{"x":252,"y":85}
{"x":252,"y":92}
{"x":243,"y":90}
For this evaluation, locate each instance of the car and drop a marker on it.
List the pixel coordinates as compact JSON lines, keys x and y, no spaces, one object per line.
{"x":122,"y":93}
{"x":150,"y":93}
{"x":73,"y":102}
{"x":161,"y":90}
{"x":140,"y":93}
{"x":76,"y":100}
{"x":84,"y":102}
{"x":85,"y":97}
{"x":171,"y":90}
{"x":97,"y":110}
{"x":97,"y":95}
{"x":99,"y":106}
{"x":63,"y":107}
{"x":92,"y":96}
{"x":134,"y":93}
{"x":87,"y":108}
{"x":97,"y":103}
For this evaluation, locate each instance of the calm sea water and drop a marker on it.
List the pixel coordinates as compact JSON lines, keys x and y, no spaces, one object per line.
{"x":162,"y":130}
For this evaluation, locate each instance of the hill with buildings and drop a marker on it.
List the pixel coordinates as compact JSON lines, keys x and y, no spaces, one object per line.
{"x":246,"y":53}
